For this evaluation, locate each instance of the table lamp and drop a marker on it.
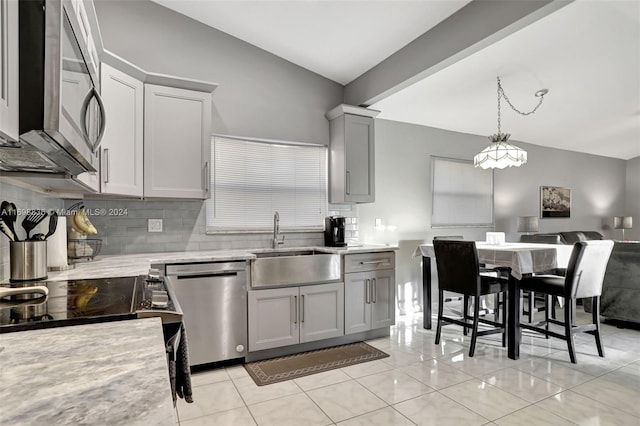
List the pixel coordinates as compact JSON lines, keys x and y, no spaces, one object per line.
{"x":528,"y":224}
{"x":623,"y":222}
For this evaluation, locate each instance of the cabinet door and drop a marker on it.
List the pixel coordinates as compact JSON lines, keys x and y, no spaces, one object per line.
{"x":177,"y":139}
{"x":273,"y":318}
{"x":359,"y":158}
{"x":9,"y":69}
{"x":357,"y":312}
{"x":321,"y":311}
{"x":383,"y":298}
{"x":122,"y":144}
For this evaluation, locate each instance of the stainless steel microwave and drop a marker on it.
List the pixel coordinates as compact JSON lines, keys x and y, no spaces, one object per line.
{"x":61,"y":115}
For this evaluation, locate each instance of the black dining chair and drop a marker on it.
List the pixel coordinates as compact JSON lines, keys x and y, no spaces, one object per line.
{"x":530,"y":308}
{"x":459,"y":272}
{"x":583,"y":279}
{"x":504,"y":272}
{"x":455,"y":238}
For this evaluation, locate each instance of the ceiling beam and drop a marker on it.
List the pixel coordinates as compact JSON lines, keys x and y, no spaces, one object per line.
{"x":477,"y":25}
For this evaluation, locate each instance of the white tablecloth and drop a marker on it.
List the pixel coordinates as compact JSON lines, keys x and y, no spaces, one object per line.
{"x":522,"y":258}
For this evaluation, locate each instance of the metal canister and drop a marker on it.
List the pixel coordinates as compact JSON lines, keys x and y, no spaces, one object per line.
{"x":28,"y":260}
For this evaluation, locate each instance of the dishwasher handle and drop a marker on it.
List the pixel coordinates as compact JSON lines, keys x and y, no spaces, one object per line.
{"x":205,"y":269}
{"x":207,"y":275}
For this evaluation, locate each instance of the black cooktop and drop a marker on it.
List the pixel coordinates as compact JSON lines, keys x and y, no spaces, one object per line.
{"x":72,"y":302}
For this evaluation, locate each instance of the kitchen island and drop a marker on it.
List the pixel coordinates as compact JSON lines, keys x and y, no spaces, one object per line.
{"x":105,"y":373}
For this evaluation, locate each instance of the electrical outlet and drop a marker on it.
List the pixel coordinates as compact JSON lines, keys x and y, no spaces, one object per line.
{"x":378,"y":223}
{"x":154,"y":225}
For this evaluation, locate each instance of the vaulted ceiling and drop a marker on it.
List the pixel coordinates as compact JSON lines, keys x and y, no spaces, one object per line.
{"x":587,"y":53}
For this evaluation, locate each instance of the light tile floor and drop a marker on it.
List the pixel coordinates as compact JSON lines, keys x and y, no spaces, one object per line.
{"x":426,"y":384}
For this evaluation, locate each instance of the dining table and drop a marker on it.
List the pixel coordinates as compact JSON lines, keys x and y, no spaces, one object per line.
{"x":523,"y":259}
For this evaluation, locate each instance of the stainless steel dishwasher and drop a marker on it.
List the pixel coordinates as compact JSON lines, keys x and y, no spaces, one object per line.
{"x":213,"y":297}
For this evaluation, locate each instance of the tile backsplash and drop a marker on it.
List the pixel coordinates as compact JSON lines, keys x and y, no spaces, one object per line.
{"x":123,"y":225}
{"x":350,"y":213}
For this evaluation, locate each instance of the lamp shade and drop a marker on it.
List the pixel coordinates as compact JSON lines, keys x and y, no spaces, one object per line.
{"x":500,"y":154}
{"x":528,"y":224}
{"x":623,"y":222}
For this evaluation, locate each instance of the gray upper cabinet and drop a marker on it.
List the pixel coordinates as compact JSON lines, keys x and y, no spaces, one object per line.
{"x":177,"y":142}
{"x":9,"y":69}
{"x":122,"y":145}
{"x":351,"y":155}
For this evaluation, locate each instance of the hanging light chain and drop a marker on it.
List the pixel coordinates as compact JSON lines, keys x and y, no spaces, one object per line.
{"x":540,"y":94}
{"x":500,"y":93}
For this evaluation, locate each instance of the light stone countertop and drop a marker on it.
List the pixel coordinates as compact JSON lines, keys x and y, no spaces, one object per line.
{"x":138,"y":264}
{"x":100,"y":374}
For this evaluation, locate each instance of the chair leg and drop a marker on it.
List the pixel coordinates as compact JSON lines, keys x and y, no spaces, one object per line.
{"x":595,"y":307}
{"x":440,"y":311}
{"x":548,"y":303}
{"x":504,"y":319}
{"x":496,"y":307}
{"x":476,"y":317}
{"x":465,"y":312}
{"x":531,"y":305}
{"x":568,"y":330}
{"x":553,"y":307}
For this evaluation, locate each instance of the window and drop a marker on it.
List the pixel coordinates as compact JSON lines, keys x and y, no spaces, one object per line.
{"x":251,"y":180}
{"x":462,"y":195}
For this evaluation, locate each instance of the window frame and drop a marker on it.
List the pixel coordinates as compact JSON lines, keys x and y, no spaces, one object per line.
{"x":434,"y":198}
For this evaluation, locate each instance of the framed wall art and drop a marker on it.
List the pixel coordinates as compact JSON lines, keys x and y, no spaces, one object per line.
{"x":555,"y":201}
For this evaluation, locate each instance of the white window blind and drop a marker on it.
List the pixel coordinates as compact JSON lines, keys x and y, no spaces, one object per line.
{"x":462,"y":195}
{"x":251,"y":180}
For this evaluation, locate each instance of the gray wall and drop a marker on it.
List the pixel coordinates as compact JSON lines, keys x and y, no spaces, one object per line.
{"x":259,"y":94}
{"x":632,"y":207}
{"x":403,"y":185}
{"x":403,"y":191}
{"x":24,"y":199}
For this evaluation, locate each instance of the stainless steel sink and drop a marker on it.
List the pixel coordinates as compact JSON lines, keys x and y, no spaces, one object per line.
{"x":290,"y":267}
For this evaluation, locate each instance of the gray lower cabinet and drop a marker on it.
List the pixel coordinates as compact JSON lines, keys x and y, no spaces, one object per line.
{"x":370,"y":291}
{"x":369,"y":300}
{"x":291,"y":315}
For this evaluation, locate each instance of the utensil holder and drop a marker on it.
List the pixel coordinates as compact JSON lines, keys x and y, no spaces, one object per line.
{"x":27,"y":260}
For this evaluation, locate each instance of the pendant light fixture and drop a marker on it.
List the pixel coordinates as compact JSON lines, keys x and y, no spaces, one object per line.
{"x":501,"y":153}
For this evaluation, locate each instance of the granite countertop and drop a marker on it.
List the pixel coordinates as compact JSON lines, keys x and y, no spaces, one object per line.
{"x":138,"y":264}
{"x":106,"y":373}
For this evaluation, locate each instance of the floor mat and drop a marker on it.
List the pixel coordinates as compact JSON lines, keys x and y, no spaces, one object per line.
{"x":303,"y":364}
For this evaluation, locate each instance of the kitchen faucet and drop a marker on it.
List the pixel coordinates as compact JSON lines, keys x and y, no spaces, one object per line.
{"x":276,"y":230}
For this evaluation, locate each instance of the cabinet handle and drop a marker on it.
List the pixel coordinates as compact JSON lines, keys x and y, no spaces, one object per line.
{"x":348,"y":182}
{"x":206,"y":177}
{"x":367,"y":291}
{"x":374,"y":286}
{"x":293,"y":309}
{"x":375,"y":262}
{"x":295,"y":303}
{"x":106,"y":164}
{"x":302,"y":309}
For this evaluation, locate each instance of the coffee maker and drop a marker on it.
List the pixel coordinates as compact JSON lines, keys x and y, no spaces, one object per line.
{"x":334,"y":231}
